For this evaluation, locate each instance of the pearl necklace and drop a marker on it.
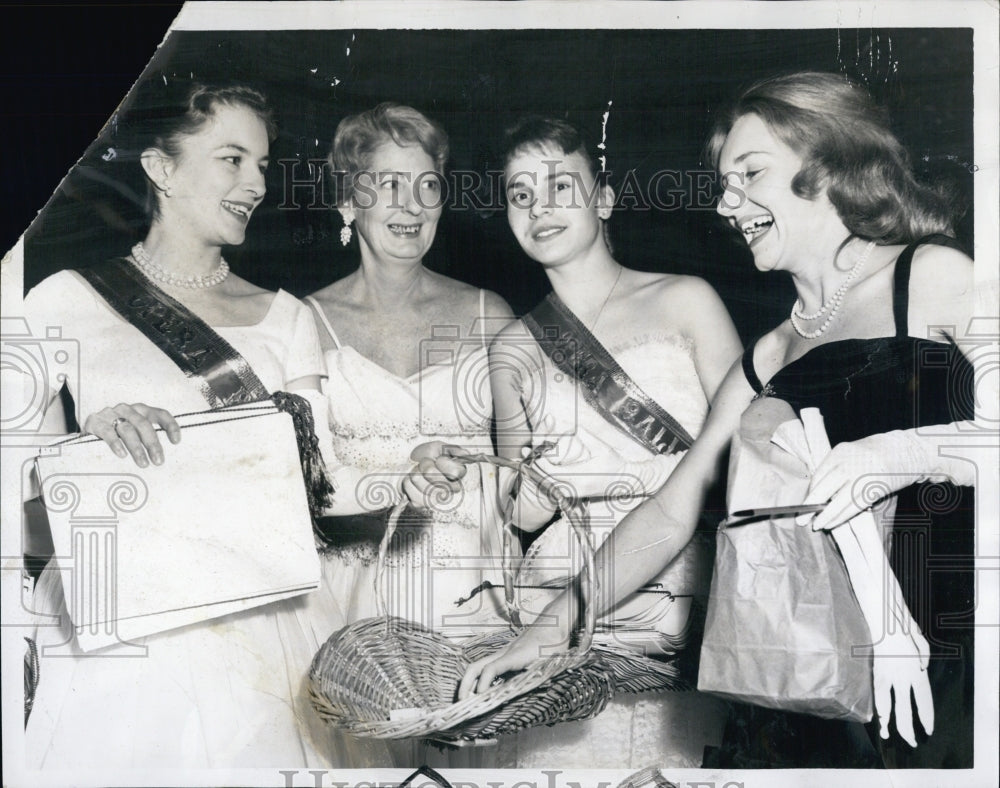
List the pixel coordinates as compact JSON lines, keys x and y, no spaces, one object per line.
{"x":833,"y":305}
{"x":159,"y":274}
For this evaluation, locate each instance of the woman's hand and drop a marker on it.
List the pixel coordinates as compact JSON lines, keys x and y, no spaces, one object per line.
{"x":900,"y":669}
{"x":856,"y":475}
{"x":545,"y":637}
{"x":901,"y":652}
{"x":435,"y":474}
{"x":131,"y":429}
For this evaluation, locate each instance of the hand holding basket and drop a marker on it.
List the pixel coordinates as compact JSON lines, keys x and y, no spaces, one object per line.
{"x":386,"y":677}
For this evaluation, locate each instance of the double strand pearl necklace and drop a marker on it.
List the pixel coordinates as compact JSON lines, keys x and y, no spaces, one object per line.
{"x":159,"y":274}
{"x":833,"y":305}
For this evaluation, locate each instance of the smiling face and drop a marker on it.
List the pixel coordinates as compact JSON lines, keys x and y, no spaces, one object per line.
{"x":554,"y":206}
{"x":397,"y":203}
{"x":784,"y":231}
{"x":217,"y":178}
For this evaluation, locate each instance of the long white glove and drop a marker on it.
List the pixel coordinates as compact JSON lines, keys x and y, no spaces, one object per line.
{"x":855,"y":473}
{"x":901,"y":652}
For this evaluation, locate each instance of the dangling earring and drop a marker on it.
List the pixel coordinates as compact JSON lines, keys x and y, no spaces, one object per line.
{"x":605,"y":214}
{"x":166,"y":190}
{"x":345,"y":233}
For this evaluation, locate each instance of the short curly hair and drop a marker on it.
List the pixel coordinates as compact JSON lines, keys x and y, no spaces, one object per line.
{"x":358,"y":136}
{"x":847,"y":146}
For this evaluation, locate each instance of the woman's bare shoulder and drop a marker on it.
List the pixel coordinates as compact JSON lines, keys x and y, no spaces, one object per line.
{"x":681,"y":286}
{"x":668,"y":289}
{"x":441,"y":286}
{"x":683,"y":301}
{"x":936,"y":267}
{"x":239,"y":287}
{"x":514,"y":331}
{"x":941,"y":292}
{"x":467,"y":302}
{"x":496,"y":306}
{"x":337,"y":294}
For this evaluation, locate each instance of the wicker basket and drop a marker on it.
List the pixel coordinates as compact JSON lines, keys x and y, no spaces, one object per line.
{"x":367,"y":672}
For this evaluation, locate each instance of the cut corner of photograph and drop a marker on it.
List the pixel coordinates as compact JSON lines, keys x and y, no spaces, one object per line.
{"x":441,"y":393}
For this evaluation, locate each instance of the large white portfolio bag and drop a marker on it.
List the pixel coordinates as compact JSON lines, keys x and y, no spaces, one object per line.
{"x":221,"y":526}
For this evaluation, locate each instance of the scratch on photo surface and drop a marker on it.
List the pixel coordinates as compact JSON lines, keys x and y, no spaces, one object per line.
{"x":666,"y":538}
{"x":602,"y":145}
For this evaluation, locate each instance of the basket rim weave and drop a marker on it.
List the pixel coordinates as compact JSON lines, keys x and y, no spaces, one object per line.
{"x":448,"y":720}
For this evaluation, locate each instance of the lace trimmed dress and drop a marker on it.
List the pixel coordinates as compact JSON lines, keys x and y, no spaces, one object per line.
{"x":227,"y":693}
{"x":438,"y":556}
{"x":863,"y":387}
{"x":668,"y":729}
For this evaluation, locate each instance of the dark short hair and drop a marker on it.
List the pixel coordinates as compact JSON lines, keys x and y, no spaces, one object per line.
{"x":846,"y":145}
{"x":163,"y":114}
{"x":358,"y":136}
{"x":535,"y":132}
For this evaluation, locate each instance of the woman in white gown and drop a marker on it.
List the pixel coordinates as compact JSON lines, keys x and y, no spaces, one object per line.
{"x":406,"y":356}
{"x":227,"y":693}
{"x":672,"y":337}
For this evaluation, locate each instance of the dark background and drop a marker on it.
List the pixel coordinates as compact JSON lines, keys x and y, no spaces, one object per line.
{"x":63,"y":70}
{"x":665,"y":86}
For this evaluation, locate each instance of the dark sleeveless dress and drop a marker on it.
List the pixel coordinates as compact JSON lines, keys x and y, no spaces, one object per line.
{"x":863,"y":387}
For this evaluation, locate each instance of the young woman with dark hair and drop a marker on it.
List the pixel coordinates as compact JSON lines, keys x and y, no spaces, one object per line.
{"x":818,"y":187}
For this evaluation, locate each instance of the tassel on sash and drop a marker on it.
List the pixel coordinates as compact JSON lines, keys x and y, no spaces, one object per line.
{"x":318,"y":486}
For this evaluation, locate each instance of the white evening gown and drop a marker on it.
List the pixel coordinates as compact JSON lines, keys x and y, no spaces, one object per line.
{"x":439,"y":555}
{"x":224,"y":694}
{"x":666,"y":729}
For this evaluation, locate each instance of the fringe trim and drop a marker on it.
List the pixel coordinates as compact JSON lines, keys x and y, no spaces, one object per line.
{"x":318,"y":487}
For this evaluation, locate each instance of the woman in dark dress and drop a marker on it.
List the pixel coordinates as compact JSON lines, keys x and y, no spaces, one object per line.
{"x":819,"y":187}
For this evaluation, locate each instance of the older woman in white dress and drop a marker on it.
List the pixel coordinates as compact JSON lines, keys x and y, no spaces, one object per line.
{"x":406,"y":356}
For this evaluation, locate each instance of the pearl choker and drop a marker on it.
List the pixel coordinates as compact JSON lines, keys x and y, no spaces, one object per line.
{"x":158,"y":274}
{"x":833,"y":304}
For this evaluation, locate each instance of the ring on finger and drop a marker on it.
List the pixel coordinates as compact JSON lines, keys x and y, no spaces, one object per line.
{"x":116,"y":422}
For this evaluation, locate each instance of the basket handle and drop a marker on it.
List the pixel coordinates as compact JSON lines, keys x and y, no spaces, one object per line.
{"x":426,"y":771}
{"x":573,"y":509}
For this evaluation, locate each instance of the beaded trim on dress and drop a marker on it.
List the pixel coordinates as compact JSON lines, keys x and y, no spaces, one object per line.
{"x":365,"y":552}
{"x":680,"y":341}
{"x":427,"y":430}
